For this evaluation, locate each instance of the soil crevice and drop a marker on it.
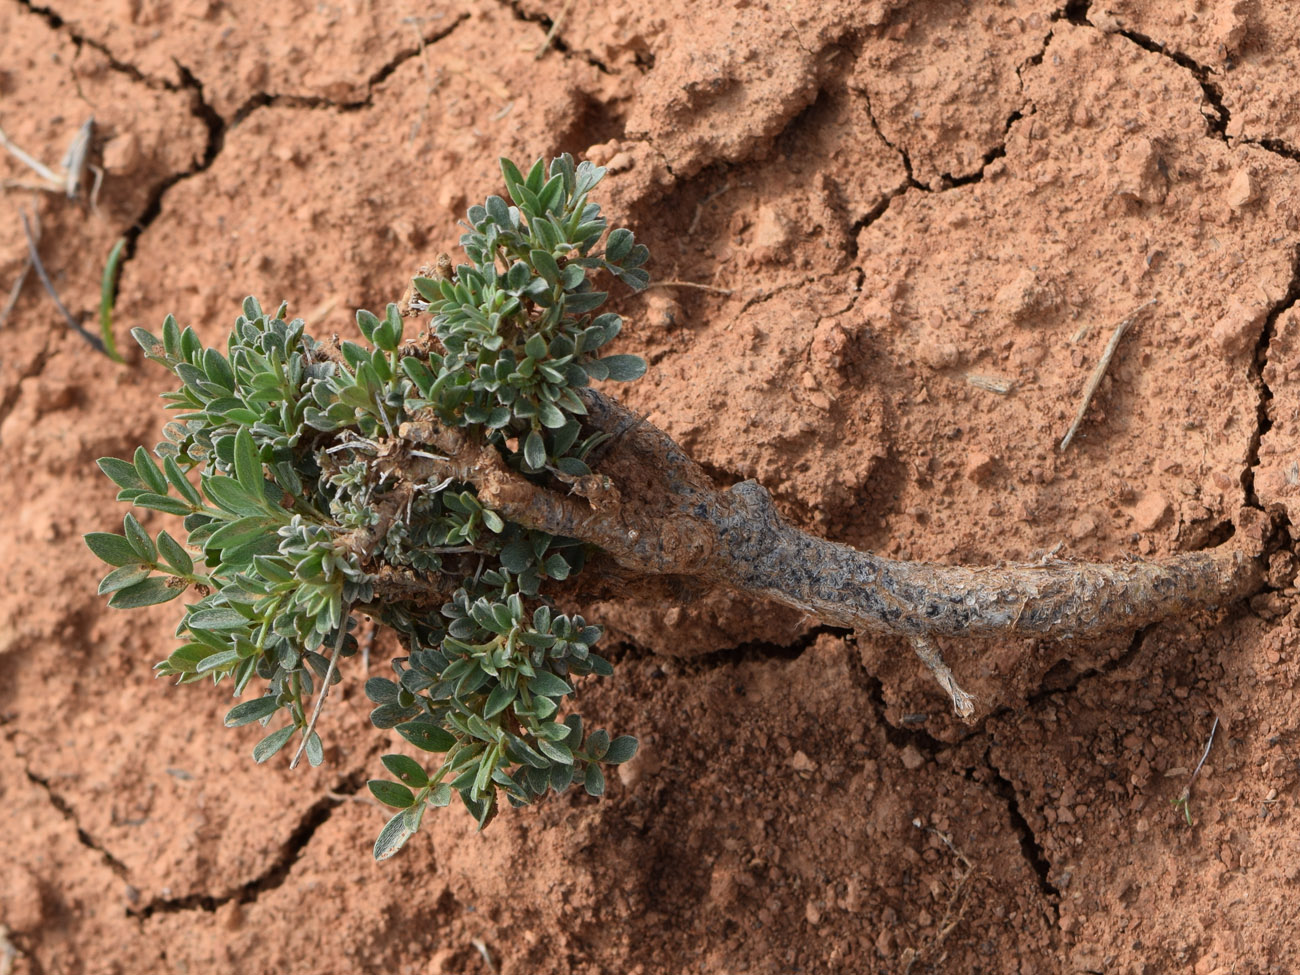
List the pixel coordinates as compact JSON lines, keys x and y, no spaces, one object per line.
{"x":275,"y":874}
{"x":66,"y":811}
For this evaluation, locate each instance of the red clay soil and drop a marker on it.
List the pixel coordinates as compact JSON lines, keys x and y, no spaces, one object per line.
{"x":916,"y":225}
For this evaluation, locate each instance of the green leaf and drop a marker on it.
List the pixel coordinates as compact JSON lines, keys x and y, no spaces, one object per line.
{"x":217,"y":661}
{"x":120,"y":472}
{"x":124,"y":577}
{"x":248,"y":465}
{"x":160,"y":502}
{"x":381,"y":690}
{"x":624,"y":368}
{"x":227,"y":493}
{"x":140,"y":540}
{"x":407,"y":769}
{"x":113,"y":549}
{"x":593,"y":781}
{"x":219,"y":618}
{"x":218,"y":369}
{"x":237,"y":532}
{"x":368,"y":322}
{"x":621,"y":749}
{"x":174,"y":554}
{"x":391,"y":793}
{"x":548,"y":685}
{"x":598,"y":744}
{"x":426,"y":735}
{"x":440,"y":796}
{"x":545,"y":265}
{"x":179,"y":481}
{"x":150,"y":473}
{"x":535,"y":451}
{"x":510,"y":171}
{"x":314,"y":750}
{"x":392,"y":837}
{"x":147,"y":593}
{"x":250,"y":711}
{"x":556,"y":751}
{"x":619,"y":245}
{"x":272,"y":743}
{"x":551,"y":416}
{"x":500,"y":699}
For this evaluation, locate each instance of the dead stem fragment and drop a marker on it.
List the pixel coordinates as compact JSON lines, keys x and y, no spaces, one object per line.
{"x":1099,"y":371}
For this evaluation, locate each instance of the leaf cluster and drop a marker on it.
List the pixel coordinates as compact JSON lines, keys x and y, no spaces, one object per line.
{"x":272,"y":463}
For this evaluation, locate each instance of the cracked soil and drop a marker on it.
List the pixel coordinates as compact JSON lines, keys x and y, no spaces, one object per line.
{"x":916,"y":224}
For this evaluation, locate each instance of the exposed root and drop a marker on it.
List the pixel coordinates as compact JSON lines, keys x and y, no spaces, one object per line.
{"x":658,"y":514}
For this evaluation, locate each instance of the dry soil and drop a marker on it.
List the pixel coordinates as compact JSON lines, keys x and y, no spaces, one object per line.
{"x":892,"y":240}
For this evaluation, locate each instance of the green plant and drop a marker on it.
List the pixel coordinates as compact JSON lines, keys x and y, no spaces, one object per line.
{"x":279,"y":461}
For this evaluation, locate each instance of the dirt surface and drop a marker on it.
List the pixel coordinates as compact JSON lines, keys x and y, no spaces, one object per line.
{"x":916,"y":225}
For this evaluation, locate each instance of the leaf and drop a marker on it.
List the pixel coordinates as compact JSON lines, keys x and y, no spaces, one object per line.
{"x":174,"y":554}
{"x":551,"y":416}
{"x":150,"y":473}
{"x":500,"y":699}
{"x":624,"y":368}
{"x":248,"y":465}
{"x":620,"y":750}
{"x":315,"y":750}
{"x":382,"y":691}
{"x":179,"y":481}
{"x":555,"y":750}
{"x":426,"y":735}
{"x":407,"y":769}
{"x":391,"y":793}
{"x":499,"y":211}
{"x":151,"y":592}
{"x":124,"y":577}
{"x":510,"y":171}
{"x":249,"y":711}
{"x":548,"y":685}
{"x":272,"y":743}
{"x":535,"y":451}
{"x":440,"y":796}
{"x":392,"y":837}
{"x":217,"y":661}
{"x":113,"y":549}
{"x":227,"y":493}
{"x":219,"y":618}
{"x":594,"y":781}
{"x":545,"y":265}
{"x":120,"y":472}
{"x":159,"y":502}
{"x":619,"y":245}
{"x":139,"y":539}
{"x":598,"y":744}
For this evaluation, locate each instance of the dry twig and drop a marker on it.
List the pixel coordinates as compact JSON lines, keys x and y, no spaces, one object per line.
{"x":1099,"y":372}
{"x":35,"y":258}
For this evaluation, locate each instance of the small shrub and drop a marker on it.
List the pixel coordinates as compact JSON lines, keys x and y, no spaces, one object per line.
{"x":277,"y":461}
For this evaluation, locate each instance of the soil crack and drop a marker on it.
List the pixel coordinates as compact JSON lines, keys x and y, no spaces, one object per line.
{"x":547,"y":24}
{"x":317,"y":814}
{"x":1032,"y":850}
{"x":66,"y":811}
{"x":1263,"y":422}
{"x":58,"y":24}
